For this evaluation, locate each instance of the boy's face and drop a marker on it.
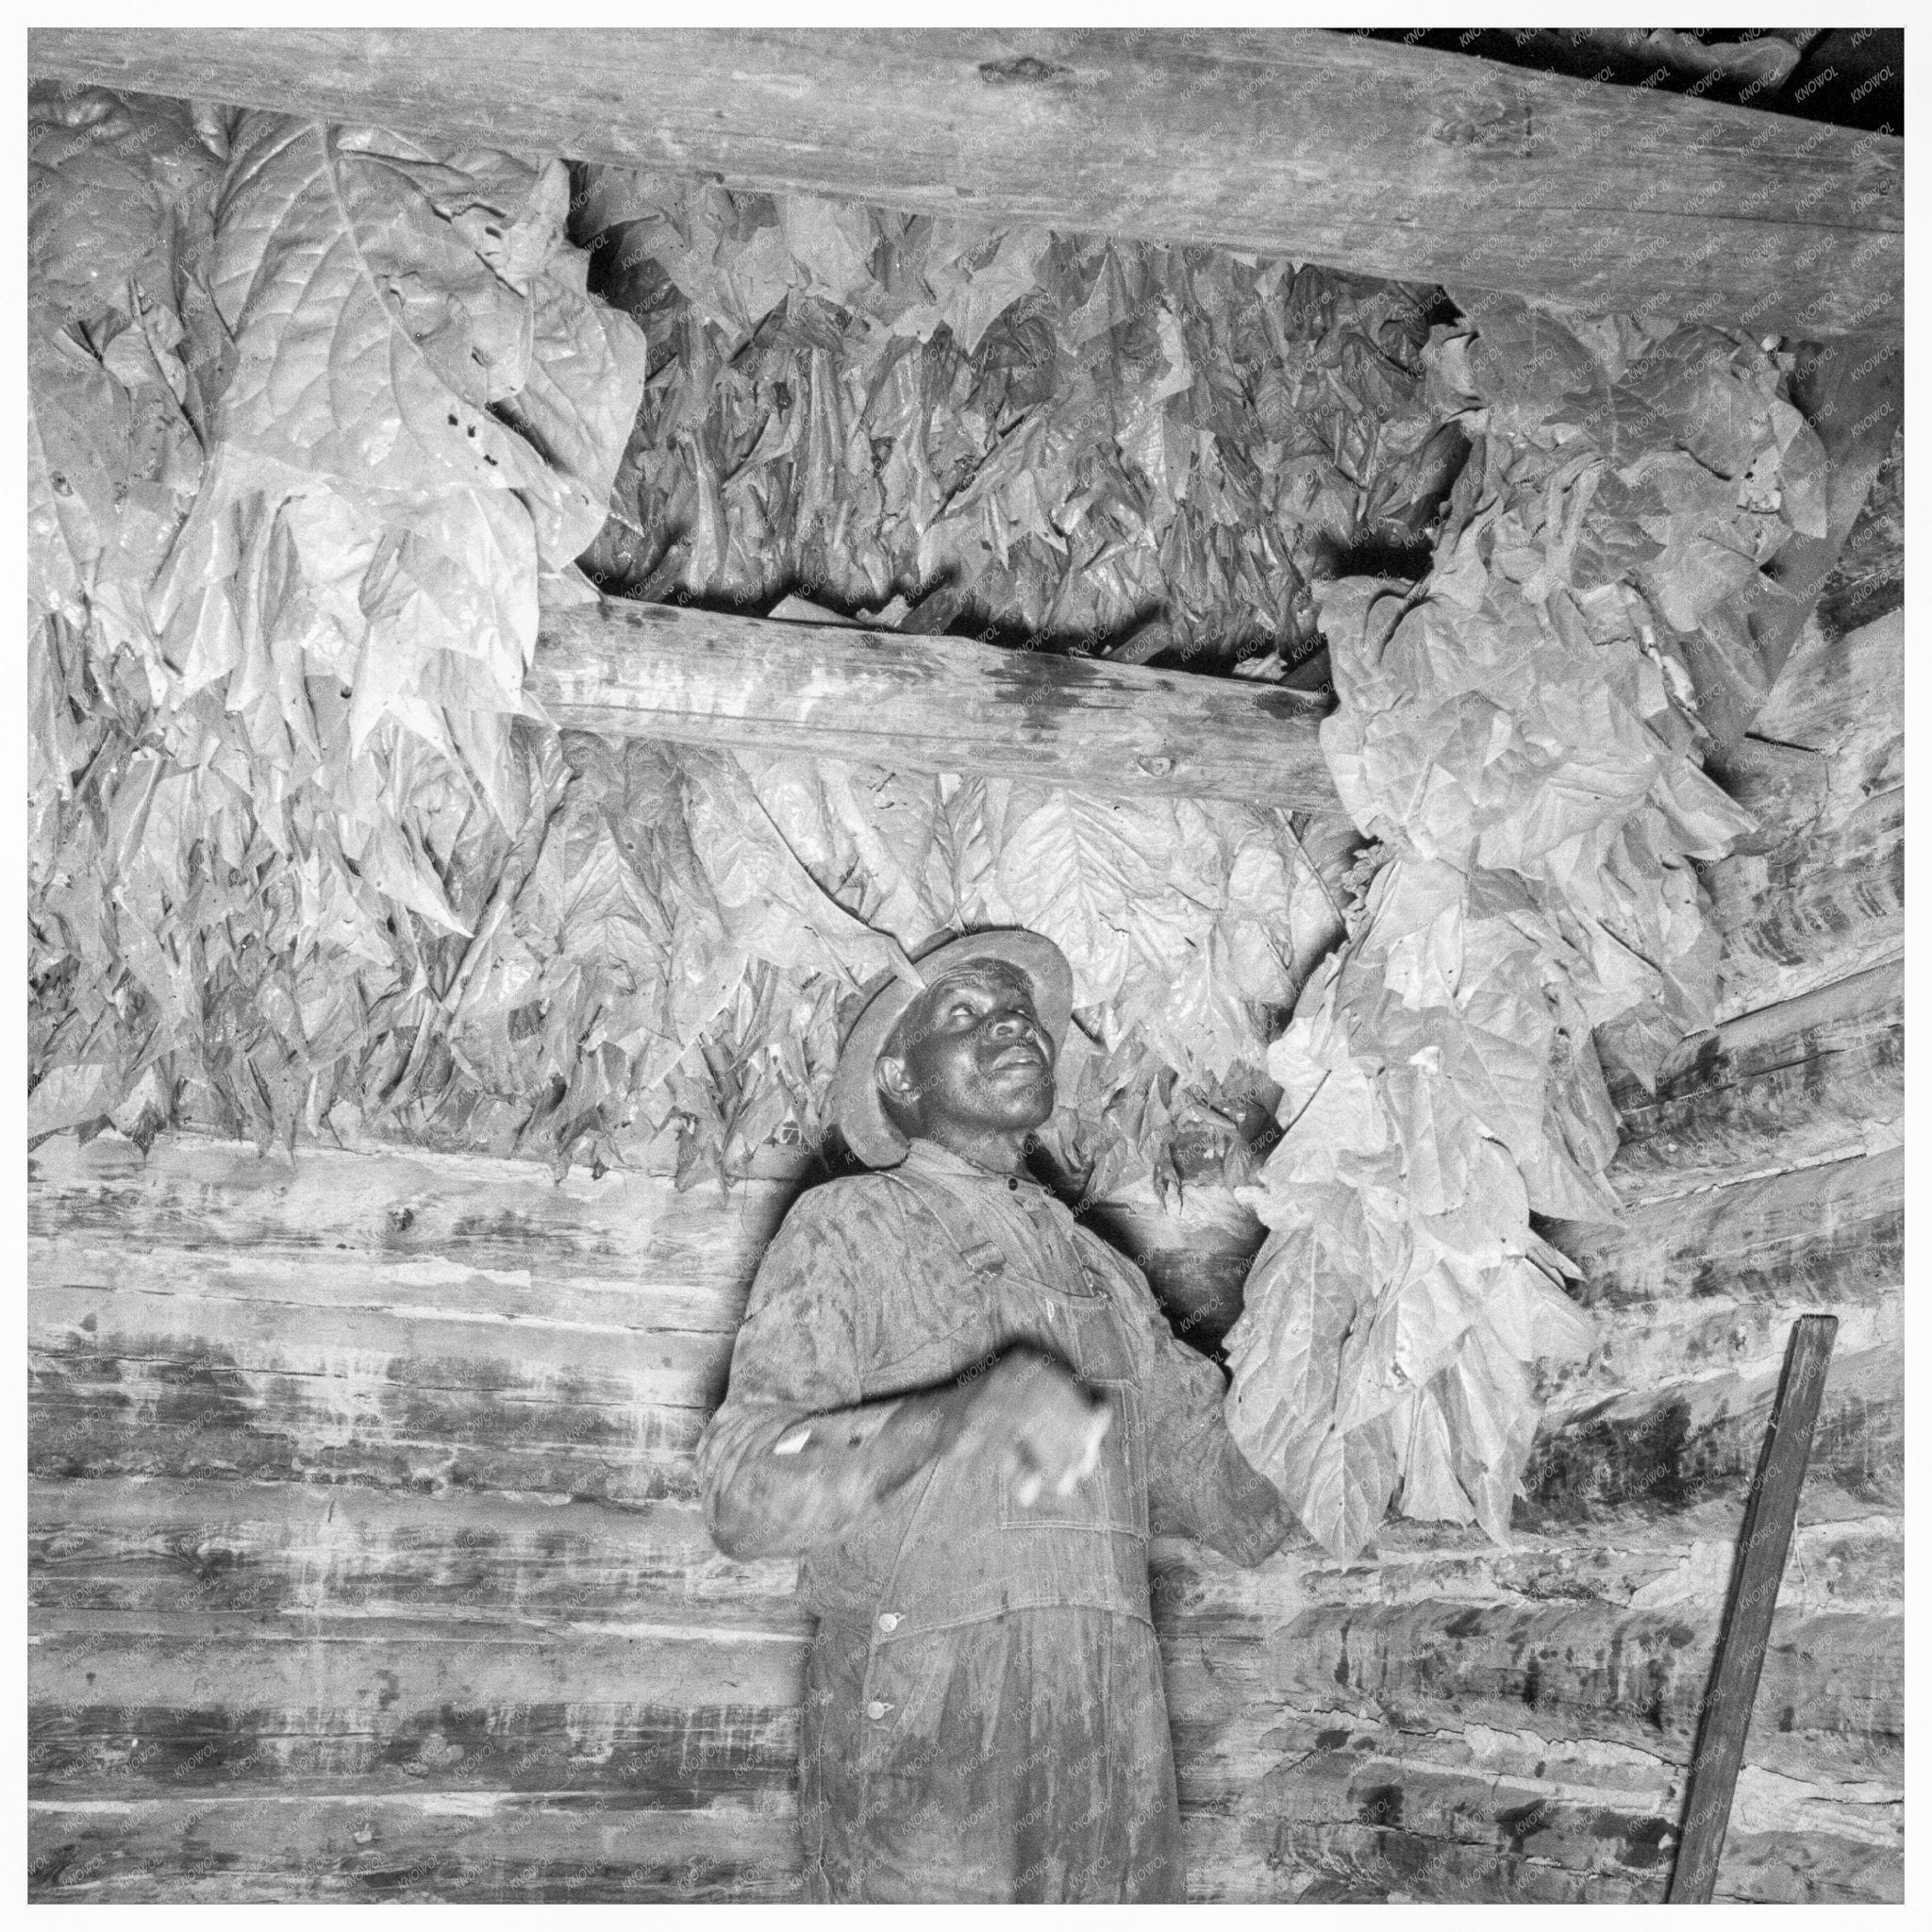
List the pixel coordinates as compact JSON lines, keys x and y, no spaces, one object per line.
{"x":971,"y":1058}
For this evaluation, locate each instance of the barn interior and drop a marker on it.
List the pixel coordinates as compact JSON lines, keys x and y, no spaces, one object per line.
{"x":547,"y":576}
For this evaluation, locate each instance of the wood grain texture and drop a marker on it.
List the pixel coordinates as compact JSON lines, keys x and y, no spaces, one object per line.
{"x":1830,"y":1694}
{"x":159,"y":1701}
{"x":1727,"y":1711}
{"x":384,"y":1570}
{"x":1371,"y":1810}
{"x":422,"y":1218}
{"x":1662,"y":1449}
{"x":927,"y":705}
{"x":1820,"y":909}
{"x":295,"y":1549}
{"x":1819,"y":895}
{"x":1808,"y":1076}
{"x":1542,"y":1844}
{"x":1847,"y":1557}
{"x":529,"y":1847}
{"x":1384,"y":159}
{"x":1827,"y":1234}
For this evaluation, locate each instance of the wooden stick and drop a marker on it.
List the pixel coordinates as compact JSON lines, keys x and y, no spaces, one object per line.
{"x":928,"y":704}
{"x":1769,"y":1516}
{"x":1387,"y":159}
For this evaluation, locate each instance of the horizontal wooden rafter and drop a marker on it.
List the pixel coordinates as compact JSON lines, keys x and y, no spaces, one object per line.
{"x":927,"y":705}
{"x":1387,"y":159}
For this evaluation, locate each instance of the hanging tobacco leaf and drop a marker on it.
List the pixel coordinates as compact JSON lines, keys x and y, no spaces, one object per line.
{"x":1520,"y":734}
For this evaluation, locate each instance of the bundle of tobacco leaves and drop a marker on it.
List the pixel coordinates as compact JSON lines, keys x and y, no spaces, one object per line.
{"x":1520,"y":734}
{"x":321,"y":420}
{"x":1061,"y":438}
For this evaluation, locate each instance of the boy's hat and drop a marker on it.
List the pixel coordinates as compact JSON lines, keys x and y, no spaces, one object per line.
{"x":857,"y":1105}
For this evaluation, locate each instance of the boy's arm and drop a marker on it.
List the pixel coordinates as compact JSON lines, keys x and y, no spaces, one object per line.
{"x":796,"y":1456}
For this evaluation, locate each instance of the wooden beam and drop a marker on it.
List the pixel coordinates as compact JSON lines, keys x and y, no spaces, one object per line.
{"x":1664,"y":1449}
{"x":1829,"y":1234}
{"x":1386,"y":160}
{"x":1762,"y":1544}
{"x":1586,"y":1669}
{"x":927,"y":705}
{"x":1807,"y":1077}
{"x":406,"y":1846}
{"x":1822,"y":906}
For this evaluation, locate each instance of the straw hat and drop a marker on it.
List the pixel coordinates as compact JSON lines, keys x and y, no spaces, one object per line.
{"x":856,"y":1107}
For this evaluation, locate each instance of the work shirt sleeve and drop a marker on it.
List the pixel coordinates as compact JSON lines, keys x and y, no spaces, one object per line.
{"x":1199,"y":1483}
{"x":795,"y":1456}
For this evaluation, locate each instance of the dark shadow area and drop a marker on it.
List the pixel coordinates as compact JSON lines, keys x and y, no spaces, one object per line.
{"x":1850,"y":77}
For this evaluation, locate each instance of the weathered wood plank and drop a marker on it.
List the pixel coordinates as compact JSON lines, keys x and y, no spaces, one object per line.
{"x":1726,"y":1714}
{"x":678,"y":1714}
{"x":1329,"y":1789}
{"x":374,"y":1676}
{"x":416,"y":1232}
{"x":1661,"y":1450}
{"x":1524,"y":1823}
{"x":1820,"y":893}
{"x":1817,"y":1869}
{"x":676,"y":1755}
{"x":342,"y":1550}
{"x":597,"y":1365}
{"x":194,"y":1420}
{"x":1381,"y":158}
{"x":1815,"y":911}
{"x":1224,"y":1861}
{"x":436,"y":1211}
{"x":1654,"y":1345}
{"x":1383,"y":1864}
{"x":1808,"y":1076}
{"x":191,"y":1405}
{"x":515,"y":1301}
{"x":522,"y":1846}
{"x":927,"y":705}
{"x":316,"y":1550}
{"x":1831,"y":1694}
{"x":162,"y":1546}
{"x":1842,"y":1560}
{"x":1832,"y":1234}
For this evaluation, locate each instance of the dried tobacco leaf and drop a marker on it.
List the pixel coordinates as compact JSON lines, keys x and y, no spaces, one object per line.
{"x":1514,"y":735}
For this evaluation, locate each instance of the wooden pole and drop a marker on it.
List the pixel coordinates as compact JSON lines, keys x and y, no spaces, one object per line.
{"x":927,"y":705}
{"x":1386,"y":160}
{"x":1766,"y":1538}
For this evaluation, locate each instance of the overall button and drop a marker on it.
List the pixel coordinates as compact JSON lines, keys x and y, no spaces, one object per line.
{"x":890,"y":1621}
{"x":876,"y":1709}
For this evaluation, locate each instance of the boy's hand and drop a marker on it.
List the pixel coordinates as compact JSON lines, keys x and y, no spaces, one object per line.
{"x":1033,"y":1416}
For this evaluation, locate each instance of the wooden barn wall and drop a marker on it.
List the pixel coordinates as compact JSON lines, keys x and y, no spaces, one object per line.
{"x":366,"y":1560}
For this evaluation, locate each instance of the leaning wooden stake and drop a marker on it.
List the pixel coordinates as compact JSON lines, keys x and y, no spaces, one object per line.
{"x":1761,"y":1549}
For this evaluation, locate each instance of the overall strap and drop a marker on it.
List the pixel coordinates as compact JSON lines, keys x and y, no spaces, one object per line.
{"x":955,"y":1219}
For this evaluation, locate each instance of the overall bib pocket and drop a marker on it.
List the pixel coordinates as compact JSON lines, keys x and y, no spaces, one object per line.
{"x":1114,"y":1497}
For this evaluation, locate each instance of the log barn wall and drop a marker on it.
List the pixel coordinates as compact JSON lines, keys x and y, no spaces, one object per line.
{"x":366,"y":1560}
{"x":1457,"y":1721}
